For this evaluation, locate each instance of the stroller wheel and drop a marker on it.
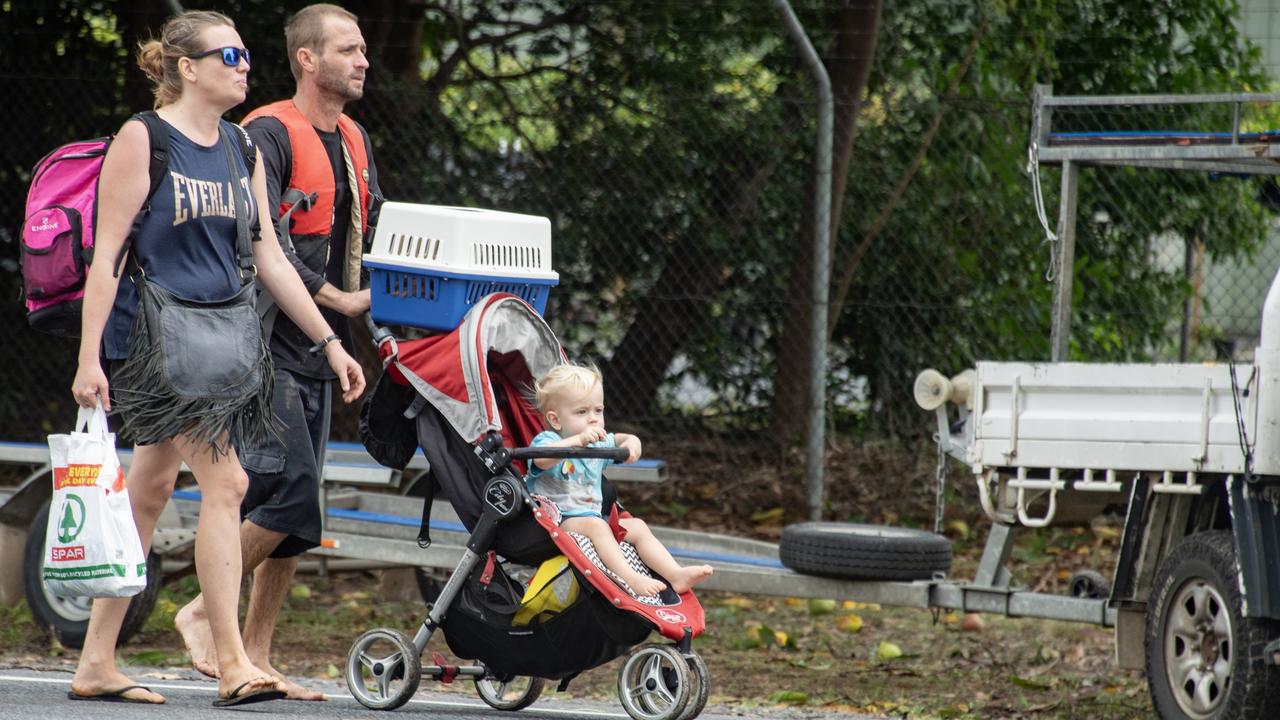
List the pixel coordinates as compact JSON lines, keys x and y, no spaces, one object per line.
{"x":701,"y":680}
{"x":383,"y":669}
{"x":654,"y":683}
{"x":515,"y":694}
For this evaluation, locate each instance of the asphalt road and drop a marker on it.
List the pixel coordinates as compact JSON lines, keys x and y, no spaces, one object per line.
{"x":42,"y":695}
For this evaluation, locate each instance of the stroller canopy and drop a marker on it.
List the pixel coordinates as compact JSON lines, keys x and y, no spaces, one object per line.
{"x":476,"y":375}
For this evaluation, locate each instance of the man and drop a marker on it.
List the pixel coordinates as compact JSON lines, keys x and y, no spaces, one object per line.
{"x":311,"y":150}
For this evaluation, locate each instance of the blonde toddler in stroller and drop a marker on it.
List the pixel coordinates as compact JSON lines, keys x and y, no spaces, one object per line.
{"x":571,"y":400}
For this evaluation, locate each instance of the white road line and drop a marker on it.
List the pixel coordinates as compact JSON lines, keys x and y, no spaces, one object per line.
{"x":443,"y":704}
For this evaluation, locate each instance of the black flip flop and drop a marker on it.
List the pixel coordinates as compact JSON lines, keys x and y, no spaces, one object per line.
{"x":115,"y":696}
{"x":257,"y":696}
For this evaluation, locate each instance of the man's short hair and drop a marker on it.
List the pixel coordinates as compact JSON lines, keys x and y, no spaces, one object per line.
{"x":306,"y":30}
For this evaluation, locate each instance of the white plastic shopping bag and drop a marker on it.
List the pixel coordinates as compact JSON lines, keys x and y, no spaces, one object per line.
{"x":92,"y":548}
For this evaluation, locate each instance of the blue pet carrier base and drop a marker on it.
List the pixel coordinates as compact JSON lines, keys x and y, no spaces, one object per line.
{"x":437,"y":300}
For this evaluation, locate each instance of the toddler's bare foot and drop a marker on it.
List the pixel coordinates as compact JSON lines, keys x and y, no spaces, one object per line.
{"x":690,"y":576}
{"x":644,"y":585}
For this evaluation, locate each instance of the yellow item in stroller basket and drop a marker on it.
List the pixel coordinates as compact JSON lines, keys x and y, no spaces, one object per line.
{"x":552,"y":589}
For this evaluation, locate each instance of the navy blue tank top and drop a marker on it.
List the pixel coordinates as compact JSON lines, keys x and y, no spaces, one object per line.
{"x":187,"y":243}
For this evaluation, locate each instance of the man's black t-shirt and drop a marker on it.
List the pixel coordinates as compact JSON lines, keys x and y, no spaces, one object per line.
{"x":290,"y":347}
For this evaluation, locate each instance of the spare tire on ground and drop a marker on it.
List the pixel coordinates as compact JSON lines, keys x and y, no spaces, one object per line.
{"x":864,"y":552}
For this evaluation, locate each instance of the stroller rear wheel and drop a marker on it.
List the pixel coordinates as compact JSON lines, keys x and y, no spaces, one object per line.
{"x":383,"y":669}
{"x":517,"y":693}
{"x":655,"y":684}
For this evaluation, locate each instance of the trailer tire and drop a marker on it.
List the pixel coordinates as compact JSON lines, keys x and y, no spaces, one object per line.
{"x":864,"y":552}
{"x":68,"y":618}
{"x":1196,"y":615}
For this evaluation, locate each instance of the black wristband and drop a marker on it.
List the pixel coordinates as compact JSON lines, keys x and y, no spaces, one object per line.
{"x":319,"y":347}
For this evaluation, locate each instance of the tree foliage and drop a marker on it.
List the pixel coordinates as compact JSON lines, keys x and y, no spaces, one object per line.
{"x":671,"y":145}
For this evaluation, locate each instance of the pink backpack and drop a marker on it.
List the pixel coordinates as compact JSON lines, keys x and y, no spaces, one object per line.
{"x":58,"y":234}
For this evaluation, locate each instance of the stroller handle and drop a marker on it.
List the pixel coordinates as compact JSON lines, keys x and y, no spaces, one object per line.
{"x":618,"y":455}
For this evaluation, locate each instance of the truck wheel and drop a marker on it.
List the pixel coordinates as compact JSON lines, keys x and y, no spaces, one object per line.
{"x":68,"y":617}
{"x":868,"y":552}
{"x":1203,"y":656}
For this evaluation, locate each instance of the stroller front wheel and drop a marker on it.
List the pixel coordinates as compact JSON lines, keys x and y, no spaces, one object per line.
{"x":654,"y":683}
{"x":701,"y":680}
{"x":383,"y":669}
{"x":517,"y":693}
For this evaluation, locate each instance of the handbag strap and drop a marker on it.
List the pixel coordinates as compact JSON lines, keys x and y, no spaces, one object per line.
{"x":240,"y":208}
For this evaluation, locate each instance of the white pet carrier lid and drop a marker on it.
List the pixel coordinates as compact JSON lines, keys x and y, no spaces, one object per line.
{"x":468,"y":241}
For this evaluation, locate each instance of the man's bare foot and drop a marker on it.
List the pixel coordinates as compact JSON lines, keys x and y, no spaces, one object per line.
{"x":84,"y":685}
{"x":193,"y":626}
{"x":293,"y":691}
{"x":643,"y":585}
{"x":690,"y":576}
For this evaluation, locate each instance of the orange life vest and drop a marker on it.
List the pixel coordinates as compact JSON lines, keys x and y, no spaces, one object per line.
{"x":312,"y":172}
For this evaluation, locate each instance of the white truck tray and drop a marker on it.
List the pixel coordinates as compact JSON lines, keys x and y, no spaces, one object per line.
{"x":1160,"y":417}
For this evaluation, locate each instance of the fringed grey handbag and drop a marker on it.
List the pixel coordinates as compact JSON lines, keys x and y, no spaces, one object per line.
{"x":200,"y":368}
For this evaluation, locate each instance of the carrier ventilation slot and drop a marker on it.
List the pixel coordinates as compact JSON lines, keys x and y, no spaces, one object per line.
{"x":524,"y":291}
{"x":507,"y":256}
{"x":407,"y":286}
{"x":415,"y":246}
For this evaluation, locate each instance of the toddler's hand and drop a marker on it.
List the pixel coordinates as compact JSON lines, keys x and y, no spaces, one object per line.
{"x":590,"y":435}
{"x":631,"y":443}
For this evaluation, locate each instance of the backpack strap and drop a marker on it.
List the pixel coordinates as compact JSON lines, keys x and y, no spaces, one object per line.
{"x":249,"y":152}
{"x":158,"y":132}
{"x":244,"y":250}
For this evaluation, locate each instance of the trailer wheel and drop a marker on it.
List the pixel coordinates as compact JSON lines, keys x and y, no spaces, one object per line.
{"x":1203,"y":656}
{"x":867,"y":552}
{"x":68,"y":617}
{"x":1089,"y":584}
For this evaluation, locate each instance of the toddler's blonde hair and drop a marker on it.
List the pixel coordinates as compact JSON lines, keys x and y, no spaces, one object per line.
{"x":564,"y":381}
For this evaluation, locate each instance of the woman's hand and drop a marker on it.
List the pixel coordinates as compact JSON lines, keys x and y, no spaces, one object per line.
{"x":90,"y":385}
{"x":350,"y":375}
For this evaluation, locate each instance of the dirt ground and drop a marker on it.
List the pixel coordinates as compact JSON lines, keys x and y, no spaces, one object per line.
{"x":836,"y":653}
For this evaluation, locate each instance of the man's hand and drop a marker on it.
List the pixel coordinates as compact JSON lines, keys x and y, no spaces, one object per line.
{"x":355,"y":304}
{"x":350,"y":375}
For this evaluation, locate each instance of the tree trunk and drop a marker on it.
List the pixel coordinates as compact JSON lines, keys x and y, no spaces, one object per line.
{"x":849,"y":67}
{"x":677,"y":306}
{"x":393,"y":30}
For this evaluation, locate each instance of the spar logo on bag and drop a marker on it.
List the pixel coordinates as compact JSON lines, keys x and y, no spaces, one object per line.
{"x":72,"y":522}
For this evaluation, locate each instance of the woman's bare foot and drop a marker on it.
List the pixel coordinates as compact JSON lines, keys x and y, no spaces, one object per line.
{"x":85,"y":685}
{"x":193,"y":626}
{"x":690,"y":576}
{"x":293,"y":691}
{"x":248,"y":680}
{"x":643,"y":585}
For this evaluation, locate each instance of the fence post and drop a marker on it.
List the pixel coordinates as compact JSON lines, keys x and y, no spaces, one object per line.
{"x":815,"y":455}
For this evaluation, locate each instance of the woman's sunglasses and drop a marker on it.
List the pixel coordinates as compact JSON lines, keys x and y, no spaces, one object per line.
{"x":230,"y":55}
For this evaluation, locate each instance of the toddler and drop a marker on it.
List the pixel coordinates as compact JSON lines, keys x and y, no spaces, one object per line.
{"x":571,"y":400}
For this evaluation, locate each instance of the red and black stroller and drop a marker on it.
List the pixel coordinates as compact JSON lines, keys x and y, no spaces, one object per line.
{"x":527,"y":602}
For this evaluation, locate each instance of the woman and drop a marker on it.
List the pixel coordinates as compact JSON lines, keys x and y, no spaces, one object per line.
{"x":186,"y":244}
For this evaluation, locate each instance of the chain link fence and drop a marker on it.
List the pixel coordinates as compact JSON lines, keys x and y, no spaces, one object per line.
{"x":678,"y":208}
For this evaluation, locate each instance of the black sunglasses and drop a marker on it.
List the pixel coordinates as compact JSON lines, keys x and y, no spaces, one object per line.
{"x":230,"y":55}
